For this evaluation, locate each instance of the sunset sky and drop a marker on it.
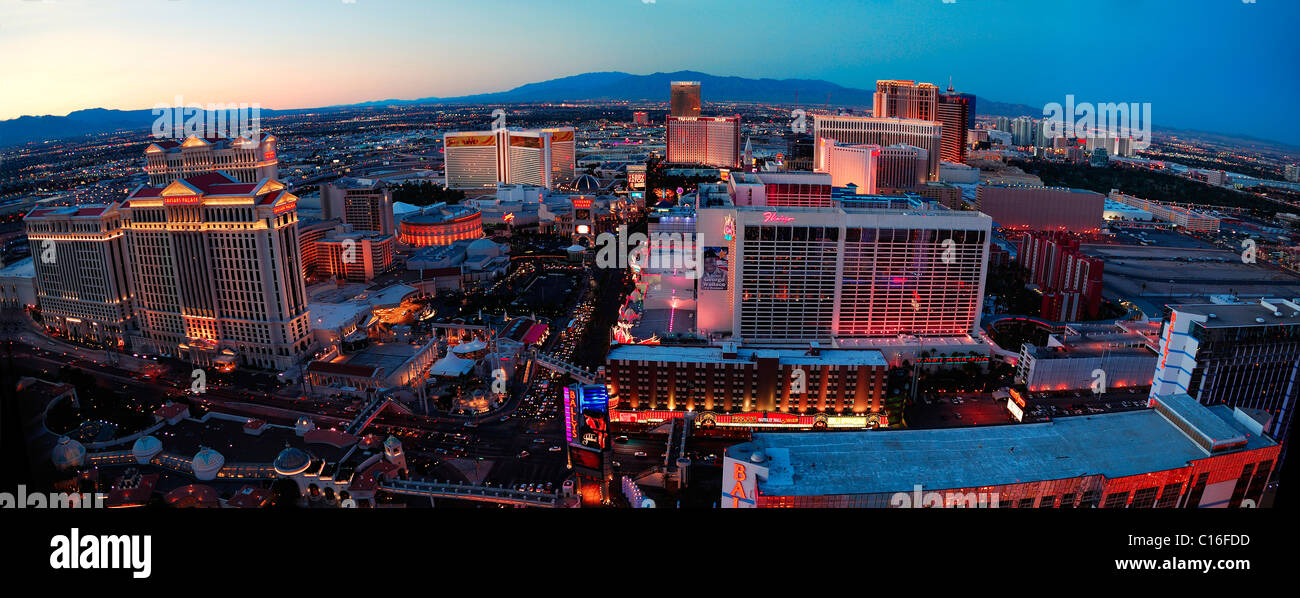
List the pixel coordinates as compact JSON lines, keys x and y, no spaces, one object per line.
{"x":1217,"y":65}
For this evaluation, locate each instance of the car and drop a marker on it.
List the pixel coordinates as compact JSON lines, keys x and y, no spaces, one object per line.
{"x":523,"y":454}
{"x":958,"y":416}
{"x":620,"y":439}
{"x":539,"y":441}
{"x":640,"y":454}
{"x":554,"y":449}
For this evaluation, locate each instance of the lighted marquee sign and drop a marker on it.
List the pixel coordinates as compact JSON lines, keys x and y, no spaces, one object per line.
{"x":570,"y":431}
{"x":188,"y":200}
{"x":583,"y":203}
{"x":964,"y":359}
{"x":1015,"y":410}
{"x":728,"y":227}
{"x":587,"y":417}
{"x":756,"y":419}
{"x":773,"y":217}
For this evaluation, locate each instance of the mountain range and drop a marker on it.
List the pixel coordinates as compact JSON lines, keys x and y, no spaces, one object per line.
{"x":615,"y":86}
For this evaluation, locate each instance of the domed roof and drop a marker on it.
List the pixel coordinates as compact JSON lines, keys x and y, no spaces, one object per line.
{"x":291,"y":461}
{"x":586,"y":184}
{"x":576,"y":248}
{"x":68,"y":453}
{"x":207,"y":463}
{"x":146,"y":446}
{"x":207,"y":457}
{"x":483,"y":248}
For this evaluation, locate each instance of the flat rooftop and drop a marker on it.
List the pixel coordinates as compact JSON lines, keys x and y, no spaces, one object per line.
{"x":1114,"y":445}
{"x":1245,"y":314}
{"x":715,"y":355}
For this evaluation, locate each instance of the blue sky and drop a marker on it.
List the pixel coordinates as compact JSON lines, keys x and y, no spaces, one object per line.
{"x":1217,"y":65}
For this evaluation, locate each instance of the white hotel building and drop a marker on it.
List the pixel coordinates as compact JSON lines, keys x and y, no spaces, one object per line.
{"x":826,"y":274}
{"x":245,"y":160}
{"x":481,"y":159}
{"x":81,"y":275}
{"x":860,"y":130}
{"x":217,"y":271}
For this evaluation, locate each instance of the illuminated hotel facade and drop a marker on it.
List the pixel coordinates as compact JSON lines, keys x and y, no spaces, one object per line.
{"x":365,"y":204}
{"x":81,"y":275}
{"x":905,"y":99}
{"x":780,"y":189}
{"x":217,"y":271}
{"x":480,"y":159}
{"x":704,"y":140}
{"x":866,"y":130}
{"x":954,"y":112}
{"x":244,"y":160}
{"x":850,"y":165}
{"x":1032,"y":207}
{"x":1178,"y":454}
{"x":650,"y":379}
{"x":685,"y":99}
{"x":817,"y":274}
{"x":440,"y":225}
{"x":1239,"y":355}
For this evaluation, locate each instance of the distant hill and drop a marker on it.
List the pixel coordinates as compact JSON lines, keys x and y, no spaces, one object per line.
{"x":614,"y":86}
{"x":26,"y":129}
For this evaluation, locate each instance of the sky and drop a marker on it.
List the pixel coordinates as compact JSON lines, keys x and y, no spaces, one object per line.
{"x":1212,"y":65}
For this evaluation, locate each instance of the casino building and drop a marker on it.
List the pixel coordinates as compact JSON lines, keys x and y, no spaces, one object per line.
{"x":217,"y":271}
{"x":440,"y":224}
{"x":481,"y":159}
{"x":1179,"y":454}
{"x":81,"y":275}
{"x":866,"y":267}
{"x":245,"y":160}
{"x":655,"y":383}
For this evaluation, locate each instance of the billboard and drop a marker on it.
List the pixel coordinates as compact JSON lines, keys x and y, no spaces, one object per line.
{"x":716,"y":265}
{"x":589,"y":416}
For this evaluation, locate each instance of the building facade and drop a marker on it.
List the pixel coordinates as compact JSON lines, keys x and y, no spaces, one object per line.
{"x":1071,"y":282}
{"x":704,"y":140}
{"x":246,"y":161}
{"x":726,"y":379}
{"x":813,"y":274}
{"x":217,"y":271}
{"x":905,"y":99}
{"x":440,"y":224}
{"x":953,"y":111}
{"x":1243,"y":355}
{"x":780,"y":189}
{"x":1176,"y":455}
{"x":851,"y":165}
{"x":363,"y":204}
{"x":685,"y":99}
{"x":1029,"y":207}
{"x":482,"y":159}
{"x":82,"y":277}
{"x":858,"y":130}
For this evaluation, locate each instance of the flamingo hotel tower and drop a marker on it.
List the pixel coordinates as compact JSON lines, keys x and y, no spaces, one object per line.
{"x":481,"y":159}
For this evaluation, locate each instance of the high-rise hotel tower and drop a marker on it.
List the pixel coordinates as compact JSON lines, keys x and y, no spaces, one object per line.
{"x":217,"y":272}
{"x":478,"y":159}
{"x":860,"y":130}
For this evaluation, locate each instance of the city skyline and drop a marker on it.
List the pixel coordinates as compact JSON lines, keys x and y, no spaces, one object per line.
{"x":987,"y":52}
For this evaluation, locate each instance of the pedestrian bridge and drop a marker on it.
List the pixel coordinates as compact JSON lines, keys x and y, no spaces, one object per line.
{"x":565,"y":367}
{"x":503,"y":496}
